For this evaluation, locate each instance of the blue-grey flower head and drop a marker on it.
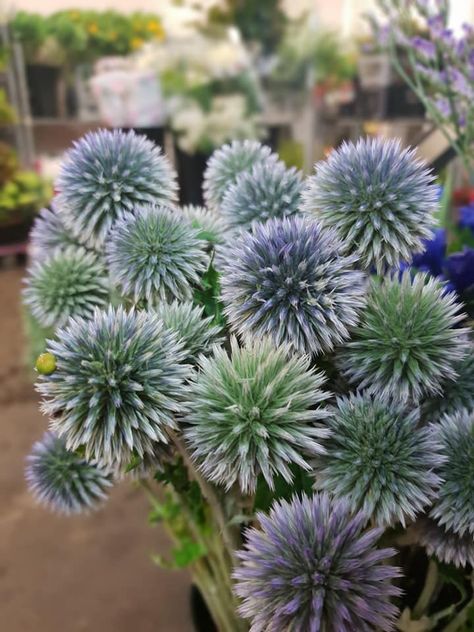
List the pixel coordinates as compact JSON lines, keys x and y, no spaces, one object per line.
{"x":210,"y":226}
{"x":256,"y":411}
{"x":447,"y":546}
{"x":407,"y":342}
{"x":49,"y":234}
{"x":104,"y":175}
{"x":454,"y":508}
{"x":379,"y":459}
{"x":70,"y":282}
{"x":227,"y":163}
{"x":187,"y":320}
{"x":311,"y":567}
{"x":63,"y":480}
{"x":289,"y":280}
{"x":378,"y":197}
{"x":155,"y":254}
{"x":117,"y":386}
{"x":456,"y":394}
{"x":265,"y":191}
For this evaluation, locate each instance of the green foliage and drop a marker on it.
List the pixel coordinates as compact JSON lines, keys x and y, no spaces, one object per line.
{"x":208,"y":295}
{"x":24,"y":194}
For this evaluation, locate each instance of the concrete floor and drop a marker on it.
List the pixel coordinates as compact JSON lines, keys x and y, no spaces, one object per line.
{"x":91,"y":573}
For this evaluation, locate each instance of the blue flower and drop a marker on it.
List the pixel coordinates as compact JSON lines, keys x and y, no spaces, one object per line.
{"x":432,"y":259}
{"x":459,"y":268}
{"x":466,"y":217}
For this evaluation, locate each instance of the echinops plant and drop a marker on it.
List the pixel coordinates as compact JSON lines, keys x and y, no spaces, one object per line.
{"x":306,"y":406}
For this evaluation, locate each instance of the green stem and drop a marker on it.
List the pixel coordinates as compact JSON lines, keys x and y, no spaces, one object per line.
{"x":431,"y":583}
{"x":460,"y":619}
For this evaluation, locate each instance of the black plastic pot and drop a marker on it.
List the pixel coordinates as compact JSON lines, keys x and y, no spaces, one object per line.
{"x":201,"y":618}
{"x":15,"y":232}
{"x":191,"y":169}
{"x":156,"y":134}
{"x":43,"y":88}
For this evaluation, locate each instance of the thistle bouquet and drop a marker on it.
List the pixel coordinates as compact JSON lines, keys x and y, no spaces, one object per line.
{"x":295,"y":400}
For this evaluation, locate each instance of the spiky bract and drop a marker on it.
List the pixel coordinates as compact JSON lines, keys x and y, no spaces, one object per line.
{"x":209,"y":226}
{"x":155,"y":254}
{"x":63,"y":480}
{"x":69,"y":283}
{"x":49,"y":233}
{"x":227,"y":163}
{"x":107,"y":173}
{"x":187,"y":320}
{"x":311,"y":567}
{"x":458,"y":393}
{"x":267,"y":190}
{"x":407,"y":342}
{"x":256,"y":411}
{"x":379,"y":459}
{"x":447,"y":546}
{"x":289,"y":280}
{"x":378,"y":197}
{"x":454,"y":508}
{"x":117,"y":385}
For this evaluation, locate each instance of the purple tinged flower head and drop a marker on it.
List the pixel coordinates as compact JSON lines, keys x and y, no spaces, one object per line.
{"x":155,"y":254}
{"x":289,"y":279}
{"x":447,"y":546}
{"x":117,"y":386}
{"x":265,"y":191}
{"x":408,"y":340}
{"x":106,"y":174}
{"x":424,"y":47}
{"x":379,"y":459}
{"x":254,"y":412}
{"x":310,"y":566}
{"x":454,"y":508}
{"x":63,"y":480}
{"x":378,"y":197}
{"x":227,"y":163}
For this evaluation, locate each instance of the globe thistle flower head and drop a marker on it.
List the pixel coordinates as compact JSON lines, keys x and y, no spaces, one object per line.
{"x":458,"y":393}
{"x":63,"y":480}
{"x":407,"y":342}
{"x":289,"y":280}
{"x":267,"y":190}
{"x":227,"y":163}
{"x":378,"y":197}
{"x":117,"y":386}
{"x":209,"y":226}
{"x":49,"y":234}
{"x":69,"y":283}
{"x":379,"y":459}
{"x":155,"y":254}
{"x":195,"y":332}
{"x":454,"y":508}
{"x":447,"y":546}
{"x":256,"y":411}
{"x":106,"y":174}
{"x":311,"y":567}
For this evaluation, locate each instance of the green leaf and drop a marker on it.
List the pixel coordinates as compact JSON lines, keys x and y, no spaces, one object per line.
{"x":187,"y":553}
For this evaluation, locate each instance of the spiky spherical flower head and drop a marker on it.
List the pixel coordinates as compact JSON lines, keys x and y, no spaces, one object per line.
{"x":117,"y":385}
{"x":378,"y":197}
{"x":407,"y":342}
{"x":187,"y":320}
{"x":62,"y":480}
{"x":267,"y":190}
{"x":155,"y":254}
{"x":49,"y":233}
{"x":289,"y":280}
{"x":68,"y":283}
{"x":255,"y":411}
{"x":104,"y":175}
{"x":227,"y":163}
{"x":209,"y":226}
{"x":458,"y":393}
{"x":312,"y":567}
{"x":379,"y":459}
{"x":447,"y":546}
{"x":454,"y":508}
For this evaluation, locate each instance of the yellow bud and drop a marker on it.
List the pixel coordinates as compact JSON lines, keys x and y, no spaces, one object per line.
{"x":45,"y":364}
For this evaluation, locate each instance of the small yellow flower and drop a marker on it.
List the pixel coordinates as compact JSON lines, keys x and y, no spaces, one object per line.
{"x":136,"y":42}
{"x":93,"y":28}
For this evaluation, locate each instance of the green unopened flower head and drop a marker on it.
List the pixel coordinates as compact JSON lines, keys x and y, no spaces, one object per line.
{"x":71,"y":282}
{"x":379,"y":459}
{"x":45,"y":363}
{"x":256,"y":411}
{"x":408,"y":340}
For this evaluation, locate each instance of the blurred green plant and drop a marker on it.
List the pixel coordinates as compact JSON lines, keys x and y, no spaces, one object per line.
{"x":23,"y":195}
